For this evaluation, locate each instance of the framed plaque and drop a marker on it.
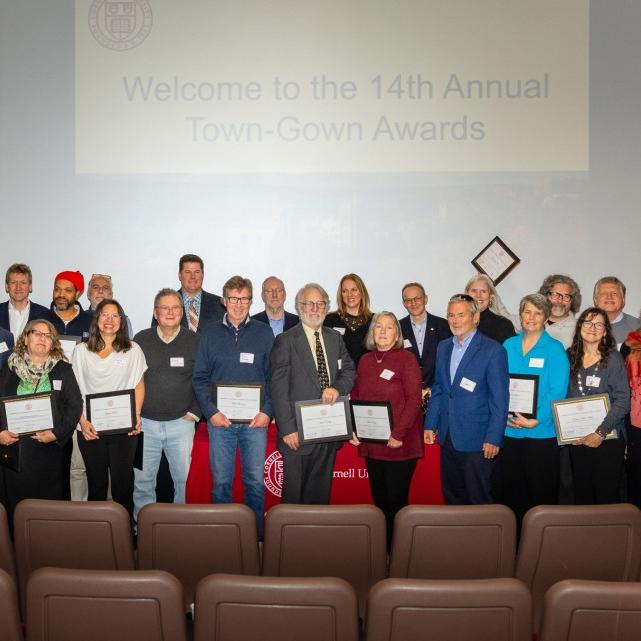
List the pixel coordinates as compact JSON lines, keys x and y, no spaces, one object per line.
{"x":575,"y":418}
{"x":496,"y":260}
{"x":372,"y":420}
{"x":524,"y":394}
{"x":320,"y":422}
{"x":27,"y":414}
{"x":239,"y":402}
{"x":112,"y":412}
{"x":68,"y":344}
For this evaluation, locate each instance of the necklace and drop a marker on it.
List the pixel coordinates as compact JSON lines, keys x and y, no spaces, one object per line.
{"x":380,"y":360}
{"x":579,"y":382}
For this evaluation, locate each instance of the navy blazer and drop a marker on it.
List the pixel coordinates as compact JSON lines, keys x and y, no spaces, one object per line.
{"x":6,"y":345}
{"x":290,"y":319}
{"x":436,"y":330}
{"x":475,"y":416}
{"x":211,"y":309}
{"x":35,"y":311}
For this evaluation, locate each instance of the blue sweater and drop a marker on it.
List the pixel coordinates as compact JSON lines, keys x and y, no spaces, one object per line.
{"x":219,"y":361}
{"x":549,"y":361}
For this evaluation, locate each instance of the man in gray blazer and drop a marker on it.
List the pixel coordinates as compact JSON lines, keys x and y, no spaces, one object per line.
{"x":297,"y":376}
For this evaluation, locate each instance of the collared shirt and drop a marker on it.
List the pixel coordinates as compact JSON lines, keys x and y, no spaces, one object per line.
{"x":187,"y":302}
{"x":618,"y":319}
{"x":161,"y":336}
{"x":419,"y":333}
{"x":18,"y":319}
{"x":311,"y":339}
{"x":277,"y":325}
{"x":458,"y":352}
{"x":237,"y":330}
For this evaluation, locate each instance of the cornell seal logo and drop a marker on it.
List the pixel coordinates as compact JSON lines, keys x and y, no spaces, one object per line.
{"x":120,"y":24}
{"x":273,"y":477}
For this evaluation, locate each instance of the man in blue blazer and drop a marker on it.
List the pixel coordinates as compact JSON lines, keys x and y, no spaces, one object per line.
{"x":469,"y":405}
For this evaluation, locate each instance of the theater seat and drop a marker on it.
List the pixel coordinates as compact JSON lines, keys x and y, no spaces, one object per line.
{"x":7,"y":562}
{"x":10,"y":628}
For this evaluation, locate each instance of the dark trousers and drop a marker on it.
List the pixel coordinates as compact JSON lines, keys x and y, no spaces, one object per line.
{"x":308,"y":478}
{"x":389,"y":482}
{"x":112,"y":455}
{"x":597,"y":472}
{"x":529,"y":473}
{"x":466,"y":477}
{"x":634,"y":465}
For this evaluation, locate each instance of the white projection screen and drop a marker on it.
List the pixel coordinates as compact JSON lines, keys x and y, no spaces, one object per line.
{"x":310,"y":139}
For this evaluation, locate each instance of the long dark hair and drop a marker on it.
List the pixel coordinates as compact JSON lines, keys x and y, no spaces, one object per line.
{"x":606,"y":345}
{"x":121,"y":342}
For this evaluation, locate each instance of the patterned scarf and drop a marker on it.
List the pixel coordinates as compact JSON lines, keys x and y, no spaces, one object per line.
{"x":28,"y":371}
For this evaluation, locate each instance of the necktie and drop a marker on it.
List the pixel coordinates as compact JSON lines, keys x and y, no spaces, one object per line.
{"x":192,"y":316}
{"x":323,"y":376}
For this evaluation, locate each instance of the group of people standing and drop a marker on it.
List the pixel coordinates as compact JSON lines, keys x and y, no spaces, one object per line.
{"x":446,"y":380}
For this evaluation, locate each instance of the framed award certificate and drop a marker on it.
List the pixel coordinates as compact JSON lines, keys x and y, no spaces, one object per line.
{"x":25,"y":415}
{"x":372,"y":420}
{"x":575,"y":418}
{"x":112,"y":412}
{"x":319,"y":422}
{"x":496,"y":260}
{"x":239,"y":403}
{"x":524,"y":394}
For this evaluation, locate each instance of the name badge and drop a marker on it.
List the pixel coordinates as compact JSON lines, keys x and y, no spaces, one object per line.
{"x":246,"y":357}
{"x":387,"y":374}
{"x":340,"y":330}
{"x":3,"y":347}
{"x":593,"y":381}
{"x":467,"y":384}
{"x":177,"y":361}
{"x":85,"y":334}
{"x":537,"y":362}
{"x":407,"y":343}
{"x":57,"y":385}
{"x":340,"y":363}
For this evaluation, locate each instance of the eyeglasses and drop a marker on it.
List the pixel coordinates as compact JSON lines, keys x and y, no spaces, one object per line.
{"x":311,"y":304}
{"x":590,"y":325}
{"x":566,"y":298}
{"x":243,"y":300}
{"x":165,"y":308}
{"x":45,"y":335}
{"x":107,"y":315}
{"x":416,"y":299}
{"x":274,"y":290}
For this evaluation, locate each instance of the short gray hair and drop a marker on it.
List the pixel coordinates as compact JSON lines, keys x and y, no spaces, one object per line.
{"x":539,"y":301}
{"x":304,"y":288}
{"x":556,"y":279}
{"x":465,"y":298}
{"x":608,"y":280}
{"x":369,"y":338}
{"x":167,"y":291}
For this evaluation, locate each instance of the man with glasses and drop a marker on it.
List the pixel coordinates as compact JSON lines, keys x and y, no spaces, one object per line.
{"x":101,"y":287}
{"x":273,"y":294}
{"x":609,"y":295}
{"x":235,"y":352}
{"x":170,"y":409}
{"x":309,"y":362}
{"x":422,"y":331}
{"x":469,"y":405}
{"x":564,"y":296}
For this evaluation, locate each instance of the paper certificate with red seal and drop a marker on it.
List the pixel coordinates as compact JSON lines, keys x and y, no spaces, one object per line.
{"x":239,"y":402}
{"x":372,"y":420}
{"x":575,"y":418}
{"x":27,"y":414}
{"x":112,"y":412}
{"x":320,"y":422}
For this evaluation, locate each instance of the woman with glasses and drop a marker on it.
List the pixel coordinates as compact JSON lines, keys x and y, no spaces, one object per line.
{"x":482,"y":290}
{"x":109,"y":362}
{"x":352,"y":316}
{"x":596,"y":367}
{"x":529,"y":462}
{"x":38,"y":465}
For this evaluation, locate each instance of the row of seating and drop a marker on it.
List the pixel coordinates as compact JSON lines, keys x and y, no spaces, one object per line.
{"x":345,"y":541}
{"x":76,"y":605}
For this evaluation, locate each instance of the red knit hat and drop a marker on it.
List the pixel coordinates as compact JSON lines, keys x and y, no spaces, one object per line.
{"x":75,"y":278}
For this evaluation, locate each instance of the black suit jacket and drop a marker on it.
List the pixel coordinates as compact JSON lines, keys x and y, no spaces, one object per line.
{"x":290,"y":319}
{"x":35,"y":311}
{"x":436,"y":330}
{"x":211,"y":309}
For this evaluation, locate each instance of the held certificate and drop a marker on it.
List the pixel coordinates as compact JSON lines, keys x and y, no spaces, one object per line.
{"x":239,"y":403}
{"x":496,"y":260}
{"x":68,"y":344}
{"x":318,"y":422}
{"x":575,"y":418}
{"x":27,"y":414}
{"x":112,"y":412}
{"x":372,"y":420}
{"x":524,"y":393}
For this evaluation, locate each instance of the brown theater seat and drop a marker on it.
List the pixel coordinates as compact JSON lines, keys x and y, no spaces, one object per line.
{"x":259,"y":608}
{"x":432,"y":610}
{"x":453,"y":542}
{"x":7,"y":562}
{"x":345,"y":541}
{"x":104,"y":605}
{"x":192,"y":541}
{"x":595,"y":542}
{"x":10,"y":628}
{"x":577,"y":610}
{"x":93,"y":535}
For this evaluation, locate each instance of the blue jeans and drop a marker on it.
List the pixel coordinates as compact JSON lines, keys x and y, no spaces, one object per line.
{"x":252,"y":442}
{"x":176,"y":439}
